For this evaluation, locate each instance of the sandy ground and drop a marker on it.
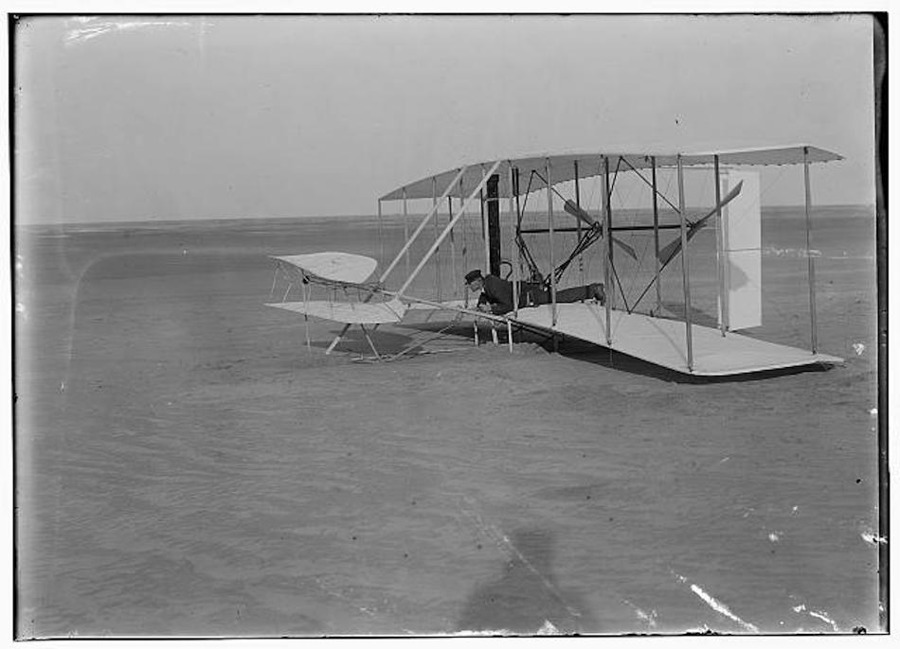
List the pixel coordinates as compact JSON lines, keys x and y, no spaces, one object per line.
{"x":185,"y":466}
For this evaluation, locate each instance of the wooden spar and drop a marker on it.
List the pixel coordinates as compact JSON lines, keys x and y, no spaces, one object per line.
{"x":406,"y":229}
{"x":380,"y":235}
{"x":454,"y":283}
{"x":610,"y":289}
{"x":656,"y":234}
{"x":422,"y":225}
{"x":685,"y":267}
{"x":484,"y":231}
{"x":552,"y":261}
{"x":494,"y":319}
{"x":809,"y":258}
{"x":306,"y":291}
{"x":515,"y":272}
{"x":437,"y":255}
{"x":449,"y":227}
{"x":518,"y":218}
{"x":606,"y":258}
{"x":403,"y":251}
{"x":369,"y":340}
{"x":616,"y":228}
{"x":721,"y":260}
{"x":274,"y":281}
{"x":578,"y":222}
{"x":465,"y":247}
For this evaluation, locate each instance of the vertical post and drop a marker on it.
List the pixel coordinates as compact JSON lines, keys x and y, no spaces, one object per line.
{"x":610,"y":289}
{"x":656,"y":235}
{"x":454,"y":280}
{"x":552,"y":260}
{"x":484,"y":230}
{"x":406,"y":228}
{"x":518,"y":213}
{"x":607,"y":211}
{"x":369,"y":340}
{"x":685,"y":267}
{"x":306,"y":291}
{"x":514,"y":221}
{"x":809,"y":258}
{"x":465,"y":247}
{"x":492,"y":200}
{"x":721,"y":260}
{"x":380,"y":235}
{"x":578,"y":222}
{"x":437,"y":253}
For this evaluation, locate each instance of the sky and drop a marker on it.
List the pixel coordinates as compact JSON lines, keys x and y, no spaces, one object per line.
{"x":182,"y":117}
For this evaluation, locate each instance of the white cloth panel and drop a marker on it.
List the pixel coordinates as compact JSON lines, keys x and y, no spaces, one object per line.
{"x":742,"y":227}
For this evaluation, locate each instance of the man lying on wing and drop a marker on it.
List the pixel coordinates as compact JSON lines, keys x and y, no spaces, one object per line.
{"x":497,"y":294}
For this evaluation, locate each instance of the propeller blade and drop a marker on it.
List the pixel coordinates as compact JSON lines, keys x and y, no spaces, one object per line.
{"x":570,"y":207}
{"x":730,"y":196}
{"x":667,"y":253}
{"x":624,"y":246}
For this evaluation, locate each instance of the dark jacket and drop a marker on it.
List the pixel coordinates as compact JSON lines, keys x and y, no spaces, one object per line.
{"x":498,"y":293}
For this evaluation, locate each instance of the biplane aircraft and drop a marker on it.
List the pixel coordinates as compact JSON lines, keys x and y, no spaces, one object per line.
{"x":632,"y":252}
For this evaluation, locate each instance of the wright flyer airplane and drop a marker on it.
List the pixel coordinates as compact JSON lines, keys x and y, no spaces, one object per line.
{"x":628,"y":221}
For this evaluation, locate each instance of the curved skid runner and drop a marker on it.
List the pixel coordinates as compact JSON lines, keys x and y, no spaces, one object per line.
{"x":662,"y":342}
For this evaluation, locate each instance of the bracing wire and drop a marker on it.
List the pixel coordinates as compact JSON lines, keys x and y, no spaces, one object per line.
{"x":438,"y":335}
{"x":646,"y":242}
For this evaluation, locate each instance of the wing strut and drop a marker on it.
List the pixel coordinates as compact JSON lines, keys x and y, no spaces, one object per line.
{"x":422,"y":225}
{"x":448,"y":227}
{"x":403,"y":250}
{"x":669,"y":253}
{"x":434,"y":247}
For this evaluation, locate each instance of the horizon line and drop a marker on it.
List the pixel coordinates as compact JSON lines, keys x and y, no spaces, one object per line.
{"x":205,"y":219}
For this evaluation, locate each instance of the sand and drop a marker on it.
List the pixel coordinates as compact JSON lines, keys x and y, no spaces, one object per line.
{"x":186,"y":466}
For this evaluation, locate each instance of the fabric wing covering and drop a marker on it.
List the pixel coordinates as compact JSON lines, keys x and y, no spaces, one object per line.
{"x":364,"y":313}
{"x":333,"y":266}
{"x":591,"y":164}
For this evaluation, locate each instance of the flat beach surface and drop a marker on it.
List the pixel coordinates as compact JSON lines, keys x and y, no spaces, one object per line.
{"x":186,"y":466}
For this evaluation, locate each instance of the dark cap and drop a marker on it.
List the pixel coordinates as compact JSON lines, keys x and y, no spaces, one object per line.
{"x":472,"y":275}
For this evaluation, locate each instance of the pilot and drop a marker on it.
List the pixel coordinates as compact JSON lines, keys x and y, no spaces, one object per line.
{"x":497,"y":294}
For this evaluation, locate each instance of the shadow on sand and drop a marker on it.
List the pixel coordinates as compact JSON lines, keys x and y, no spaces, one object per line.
{"x":389,"y":341}
{"x":525,"y":598}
